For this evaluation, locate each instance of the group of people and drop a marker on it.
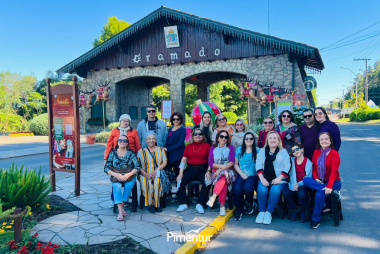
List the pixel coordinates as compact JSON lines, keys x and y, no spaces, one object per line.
{"x":285,"y":159}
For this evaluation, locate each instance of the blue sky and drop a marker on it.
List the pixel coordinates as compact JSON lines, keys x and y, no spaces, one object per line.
{"x":37,"y":36}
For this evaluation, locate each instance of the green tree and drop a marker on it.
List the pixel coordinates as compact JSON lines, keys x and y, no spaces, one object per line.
{"x":160,"y":93}
{"x":111,"y":28}
{"x":191,"y":96}
{"x":315,"y":97}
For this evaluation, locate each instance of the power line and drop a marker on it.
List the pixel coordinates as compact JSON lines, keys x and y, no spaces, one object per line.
{"x":350,"y":35}
{"x":337,"y":47}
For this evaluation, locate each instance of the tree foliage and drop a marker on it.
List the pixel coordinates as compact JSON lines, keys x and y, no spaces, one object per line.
{"x":111,"y":28}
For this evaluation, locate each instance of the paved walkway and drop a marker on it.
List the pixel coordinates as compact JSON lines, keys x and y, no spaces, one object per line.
{"x":97,"y":223}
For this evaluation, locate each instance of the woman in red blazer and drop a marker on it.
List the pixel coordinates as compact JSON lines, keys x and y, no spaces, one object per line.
{"x":326,"y":178}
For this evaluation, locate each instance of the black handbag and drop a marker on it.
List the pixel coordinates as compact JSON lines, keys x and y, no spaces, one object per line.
{"x":122,"y":171}
{"x":170,"y":173}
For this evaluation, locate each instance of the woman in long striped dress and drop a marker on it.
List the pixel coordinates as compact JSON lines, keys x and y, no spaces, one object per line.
{"x":153,"y":160}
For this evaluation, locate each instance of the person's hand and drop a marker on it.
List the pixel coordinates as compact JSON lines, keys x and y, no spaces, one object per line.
{"x":295,"y":187}
{"x":264,"y":182}
{"x":223,"y":167}
{"x":208,"y":175}
{"x":119,"y":177}
{"x":276,"y":181}
{"x":216,"y":173}
{"x":179,"y":177}
{"x":153,"y":174}
{"x":126,"y":176}
{"x":165,"y":148}
{"x":244,"y":176}
{"x":327,"y":190}
{"x":319,"y":181}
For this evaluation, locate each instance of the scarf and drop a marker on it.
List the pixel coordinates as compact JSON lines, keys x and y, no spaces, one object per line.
{"x":123,"y":131}
{"x":269,"y":173}
{"x":322,"y":163}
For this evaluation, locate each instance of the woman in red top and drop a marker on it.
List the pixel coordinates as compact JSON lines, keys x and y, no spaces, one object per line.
{"x":326,"y":178}
{"x":196,"y":157}
{"x":268,"y":127}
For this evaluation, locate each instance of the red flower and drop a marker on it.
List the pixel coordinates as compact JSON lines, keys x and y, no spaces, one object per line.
{"x":35,"y":235}
{"x":29,"y":243}
{"x":23,"y":250}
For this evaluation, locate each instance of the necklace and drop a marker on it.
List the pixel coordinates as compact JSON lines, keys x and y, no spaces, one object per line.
{"x":198,"y":149}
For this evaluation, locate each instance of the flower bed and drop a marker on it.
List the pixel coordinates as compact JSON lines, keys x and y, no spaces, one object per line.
{"x":17,"y":134}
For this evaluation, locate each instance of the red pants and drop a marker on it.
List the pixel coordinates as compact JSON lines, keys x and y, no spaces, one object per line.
{"x":221,"y":189}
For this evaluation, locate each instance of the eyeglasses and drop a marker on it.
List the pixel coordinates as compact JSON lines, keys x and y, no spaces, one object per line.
{"x":308,"y":116}
{"x":151,"y":111}
{"x":176,"y":119}
{"x":151,"y":139}
{"x":249,"y":139}
{"x":222,"y":119}
{"x":319,"y":113}
{"x":223,"y":137}
{"x":296,"y":150}
{"x":239,"y":124}
{"x":125,"y":121}
{"x":122,"y":140}
{"x":268,"y":122}
{"x":286,"y":116}
{"x":198,"y":134}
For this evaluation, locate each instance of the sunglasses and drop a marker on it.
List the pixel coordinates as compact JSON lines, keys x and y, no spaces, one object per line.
{"x":308,"y":116}
{"x":239,"y":124}
{"x":176,"y":119}
{"x":198,"y":134}
{"x":222,"y":119}
{"x":319,"y":113}
{"x":223,"y":137}
{"x":249,"y":139}
{"x":151,"y":111}
{"x":268,"y":122}
{"x":286,"y":116}
{"x":122,"y":140}
{"x":296,"y":150}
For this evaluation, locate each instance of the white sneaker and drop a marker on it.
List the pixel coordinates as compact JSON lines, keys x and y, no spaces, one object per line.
{"x":210,"y":202}
{"x":182,"y":208}
{"x":222,"y":211}
{"x":199,"y":208}
{"x":267,"y":218}
{"x":260,"y":217}
{"x":112,"y":204}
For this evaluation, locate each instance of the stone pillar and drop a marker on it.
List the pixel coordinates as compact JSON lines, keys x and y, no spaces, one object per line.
{"x":203,"y":92}
{"x":255,"y":111}
{"x":177,"y":94}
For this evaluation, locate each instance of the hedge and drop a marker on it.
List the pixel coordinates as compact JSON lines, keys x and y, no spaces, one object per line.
{"x":40,"y":125}
{"x":362,"y":115}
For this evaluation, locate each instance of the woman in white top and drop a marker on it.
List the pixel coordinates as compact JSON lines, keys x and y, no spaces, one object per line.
{"x":241,"y":128}
{"x":221,"y":124}
{"x":272,"y":166}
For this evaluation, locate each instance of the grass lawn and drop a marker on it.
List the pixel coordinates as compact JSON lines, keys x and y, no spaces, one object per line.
{"x":347,"y":120}
{"x":373,"y":121}
{"x":343,"y":120}
{"x":9,"y":235}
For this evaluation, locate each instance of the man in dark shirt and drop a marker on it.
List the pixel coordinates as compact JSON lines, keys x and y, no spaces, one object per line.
{"x":309,"y":134}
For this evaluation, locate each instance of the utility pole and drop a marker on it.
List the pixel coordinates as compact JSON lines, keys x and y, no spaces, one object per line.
{"x":356,"y":93}
{"x":366,"y":77}
{"x":343,"y":99}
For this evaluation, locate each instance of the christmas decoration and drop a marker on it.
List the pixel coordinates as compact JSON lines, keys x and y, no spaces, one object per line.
{"x":201,"y":107}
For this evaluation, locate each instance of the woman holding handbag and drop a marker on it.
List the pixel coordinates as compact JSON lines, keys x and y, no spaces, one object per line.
{"x":122,"y":165}
{"x":152,"y":176}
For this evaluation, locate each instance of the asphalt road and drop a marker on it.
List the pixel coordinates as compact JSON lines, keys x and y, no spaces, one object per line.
{"x":358,"y":233}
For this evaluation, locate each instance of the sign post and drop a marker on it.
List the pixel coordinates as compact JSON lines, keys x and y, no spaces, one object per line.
{"x":64,"y":132}
{"x":166,"y":109}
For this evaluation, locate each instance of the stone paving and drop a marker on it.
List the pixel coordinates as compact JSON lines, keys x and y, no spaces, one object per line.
{"x":97,"y":223}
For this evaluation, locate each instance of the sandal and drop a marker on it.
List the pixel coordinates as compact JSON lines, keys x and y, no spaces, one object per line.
{"x":120,"y":218}
{"x":125,"y":214}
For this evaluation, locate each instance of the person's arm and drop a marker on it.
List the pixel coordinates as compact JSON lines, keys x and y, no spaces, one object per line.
{"x":286,"y":165}
{"x":335,"y":163}
{"x":211,"y":161}
{"x":231,"y":157}
{"x":308,"y":170}
{"x":335,"y":133}
{"x":213,"y":137}
{"x":140,"y":131}
{"x":237,"y":165}
{"x":181,"y":168}
{"x":109,"y":146}
{"x":315,"y":165}
{"x":167,"y":139}
{"x":260,"y":162}
{"x":137,"y":144}
{"x":181,"y":140}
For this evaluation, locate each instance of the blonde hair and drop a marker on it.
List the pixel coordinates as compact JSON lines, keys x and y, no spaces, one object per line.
{"x":210,"y":126}
{"x":216,"y":119}
{"x":278,"y":137}
{"x":243,"y":122}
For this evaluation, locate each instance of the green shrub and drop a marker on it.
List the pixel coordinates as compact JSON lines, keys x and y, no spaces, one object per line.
{"x":362,"y":115}
{"x":352,"y":116}
{"x":102,"y":137}
{"x":256,"y":128}
{"x":231,"y":117}
{"x":12,"y":123}
{"x":39,"y":125}
{"x":113,"y":125}
{"x":21,"y":188}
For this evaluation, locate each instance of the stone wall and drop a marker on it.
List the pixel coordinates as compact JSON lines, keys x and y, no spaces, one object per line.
{"x":128,"y":90}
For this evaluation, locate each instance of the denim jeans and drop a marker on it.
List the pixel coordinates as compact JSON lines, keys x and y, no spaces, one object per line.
{"x":269,"y":202}
{"x":119,"y":195}
{"x":244,"y":188}
{"x":320,"y":196}
{"x":291,"y":197}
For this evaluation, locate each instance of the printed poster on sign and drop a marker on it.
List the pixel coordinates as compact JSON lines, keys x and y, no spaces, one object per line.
{"x":166,"y":108}
{"x":171,"y":37}
{"x":63,"y":138}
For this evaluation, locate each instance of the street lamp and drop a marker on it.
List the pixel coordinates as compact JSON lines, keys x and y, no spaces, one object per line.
{"x":356,"y":85}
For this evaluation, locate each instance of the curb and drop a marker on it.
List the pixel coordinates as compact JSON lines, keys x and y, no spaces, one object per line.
{"x":210,"y":230}
{"x":351,"y":123}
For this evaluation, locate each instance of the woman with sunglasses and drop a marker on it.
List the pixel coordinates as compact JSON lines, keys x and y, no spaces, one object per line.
{"x":272,"y":166}
{"x":247,"y":179}
{"x":268,"y":127}
{"x":240,"y":129}
{"x":206,"y":126}
{"x":326,"y":177}
{"x":124,"y":128}
{"x":196,"y":156}
{"x":153,"y":180}
{"x":122,"y":158}
{"x":221,"y":124}
{"x":288,"y":130}
{"x":175,"y":141}
{"x":221,"y":161}
{"x":323,"y":124}
{"x":295,"y":191}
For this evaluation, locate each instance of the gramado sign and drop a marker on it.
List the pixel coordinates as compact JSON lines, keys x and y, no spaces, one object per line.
{"x":173,"y":56}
